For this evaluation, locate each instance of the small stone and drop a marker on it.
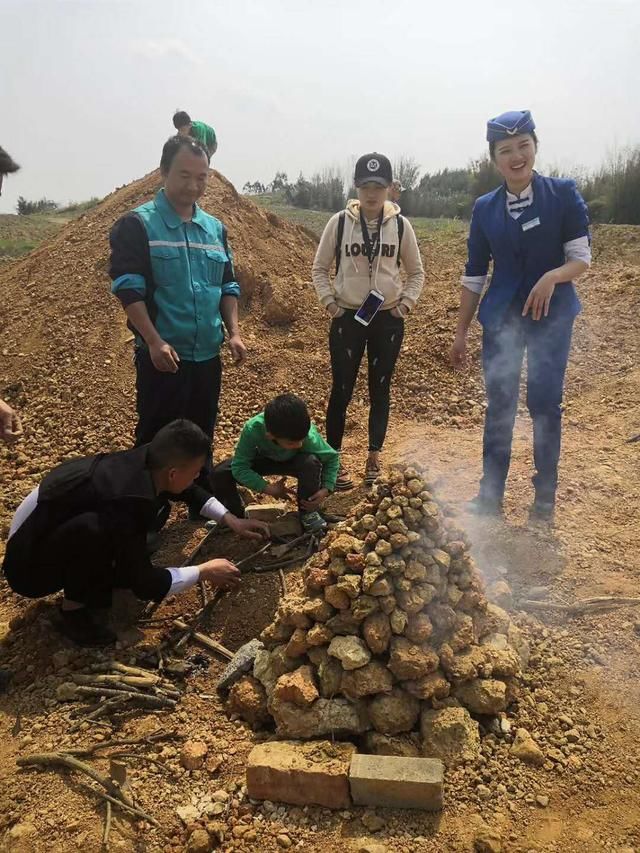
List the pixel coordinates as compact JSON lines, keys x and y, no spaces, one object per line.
{"x":241,"y":663}
{"x":409,"y":661}
{"x":350,"y":651}
{"x":500,"y":593}
{"x":284,"y":841}
{"x":193,"y":754}
{"x":450,"y":734}
{"x":482,"y":695}
{"x":377,"y":632}
{"x":337,"y":597}
{"x":367,"y":681}
{"x":487,"y":840}
{"x":248,"y":699}
{"x":372,"y":821}
{"x":297,"y":687}
{"x":405,"y":746}
{"x":199,"y":842}
{"x":542,"y":800}
{"x":345,"y":544}
{"x":395,"y":713}
{"x":526,"y":749}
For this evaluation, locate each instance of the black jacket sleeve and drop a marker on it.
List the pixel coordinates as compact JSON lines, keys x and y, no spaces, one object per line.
{"x":229,"y":274}
{"x":130,"y":256}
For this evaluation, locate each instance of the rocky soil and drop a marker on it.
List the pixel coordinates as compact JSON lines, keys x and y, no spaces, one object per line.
{"x":560,"y":773}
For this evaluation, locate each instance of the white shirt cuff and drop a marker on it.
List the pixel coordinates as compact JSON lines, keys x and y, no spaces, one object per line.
{"x":474,"y":283}
{"x":578,"y":250}
{"x":214,"y":510}
{"x":183,"y":578}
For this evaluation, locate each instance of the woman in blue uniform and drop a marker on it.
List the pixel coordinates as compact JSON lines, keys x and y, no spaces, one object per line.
{"x":536,"y":232}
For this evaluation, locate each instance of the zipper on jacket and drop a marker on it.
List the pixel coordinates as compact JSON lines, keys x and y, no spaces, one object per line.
{"x":193,"y":293}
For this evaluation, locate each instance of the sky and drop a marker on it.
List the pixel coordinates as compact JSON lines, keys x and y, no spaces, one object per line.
{"x":88,"y":87}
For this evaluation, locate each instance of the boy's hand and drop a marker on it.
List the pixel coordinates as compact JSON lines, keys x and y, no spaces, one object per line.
{"x":248,"y":528}
{"x":220,"y":573}
{"x":279,"y":490}
{"x":314,"y":502}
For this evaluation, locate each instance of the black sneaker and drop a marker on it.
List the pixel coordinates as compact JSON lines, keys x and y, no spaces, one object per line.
{"x":79,"y":627}
{"x":483,"y":505}
{"x":542,"y":511}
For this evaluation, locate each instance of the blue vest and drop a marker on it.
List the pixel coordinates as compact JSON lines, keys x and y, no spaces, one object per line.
{"x":188,"y":261}
{"x":524,"y":249}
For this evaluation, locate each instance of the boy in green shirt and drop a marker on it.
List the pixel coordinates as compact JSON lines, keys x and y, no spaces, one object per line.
{"x":201,"y":132}
{"x":281,"y":440}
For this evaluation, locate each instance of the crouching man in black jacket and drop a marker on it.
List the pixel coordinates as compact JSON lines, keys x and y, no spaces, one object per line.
{"x":84,"y":529}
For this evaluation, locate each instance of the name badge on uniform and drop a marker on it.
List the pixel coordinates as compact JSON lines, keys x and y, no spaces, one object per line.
{"x":527,"y":226}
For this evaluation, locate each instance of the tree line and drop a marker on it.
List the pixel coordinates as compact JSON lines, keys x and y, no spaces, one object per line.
{"x":612,"y":191}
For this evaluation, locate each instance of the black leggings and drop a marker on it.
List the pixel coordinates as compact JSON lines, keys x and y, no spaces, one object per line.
{"x":348,"y":339}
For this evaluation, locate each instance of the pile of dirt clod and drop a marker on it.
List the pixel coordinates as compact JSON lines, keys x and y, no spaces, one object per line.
{"x":66,"y":354}
{"x":393,"y":633}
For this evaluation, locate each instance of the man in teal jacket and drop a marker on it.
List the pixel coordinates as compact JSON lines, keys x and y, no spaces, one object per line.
{"x":172,"y":270}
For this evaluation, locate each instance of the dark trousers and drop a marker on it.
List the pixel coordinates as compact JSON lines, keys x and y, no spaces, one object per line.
{"x":78,"y":557}
{"x":305,"y":467}
{"x":192,"y":393}
{"x":348,"y":339}
{"x":547,"y":344}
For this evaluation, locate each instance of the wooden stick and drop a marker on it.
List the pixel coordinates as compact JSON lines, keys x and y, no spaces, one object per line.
{"x":205,"y":641}
{"x":116,"y":666}
{"x":85,"y":751}
{"x":107,"y":828}
{"x":141,"y":757}
{"x":133,"y":809}
{"x":200,"y":618}
{"x":102,"y":709}
{"x":52,"y":759}
{"x":279,"y":564}
{"x":588,"y":605}
{"x":141,"y":698}
{"x":150,"y":609}
{"x":254,"y":554}
{"x":128,"y":681}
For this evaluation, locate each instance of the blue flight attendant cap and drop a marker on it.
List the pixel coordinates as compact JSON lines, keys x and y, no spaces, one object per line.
{"x":509,"y":124}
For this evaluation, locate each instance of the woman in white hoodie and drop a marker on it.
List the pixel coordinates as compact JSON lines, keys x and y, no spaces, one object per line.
{"x":366,"y":242}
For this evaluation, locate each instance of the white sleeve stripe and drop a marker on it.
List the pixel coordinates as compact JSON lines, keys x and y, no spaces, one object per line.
{"x":474,"y":283}
{"x":214,"y":510}
{"x":578,"y":250}
{"x":183,"y":578}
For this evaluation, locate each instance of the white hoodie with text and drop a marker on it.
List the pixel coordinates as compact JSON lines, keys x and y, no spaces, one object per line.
{"x":352,"y":284}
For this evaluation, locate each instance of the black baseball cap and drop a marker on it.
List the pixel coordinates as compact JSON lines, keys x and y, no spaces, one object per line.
{"x":373,"y":168}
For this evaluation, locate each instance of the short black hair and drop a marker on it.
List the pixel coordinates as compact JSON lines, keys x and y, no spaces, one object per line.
{"x":173,"y":145}
{"x":180,"y":118}
{"x":7,"y":163}
{"x":287,"y":416}
{"x":492,"y":145}
{"x":177,"y":443}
